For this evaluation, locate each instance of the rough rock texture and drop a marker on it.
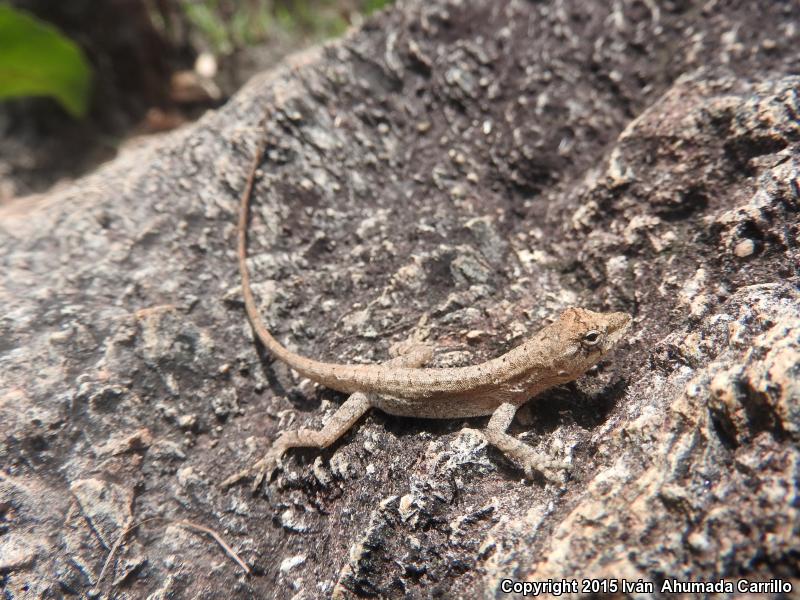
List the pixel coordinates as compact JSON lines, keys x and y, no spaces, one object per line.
{"x":457,"y":172}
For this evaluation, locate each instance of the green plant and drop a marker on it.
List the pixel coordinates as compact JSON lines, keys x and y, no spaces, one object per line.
{"x":223,"y":26}
{"x":37,"y":60}
{"x":370,"y":6}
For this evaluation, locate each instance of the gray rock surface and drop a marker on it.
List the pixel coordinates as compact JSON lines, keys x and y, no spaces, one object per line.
{"x":456,"y":172}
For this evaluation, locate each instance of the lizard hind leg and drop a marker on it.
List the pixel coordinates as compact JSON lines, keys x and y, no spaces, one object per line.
{"x":342,"y":420}
{"x":520,"y":453}
{"x":347,"y":414}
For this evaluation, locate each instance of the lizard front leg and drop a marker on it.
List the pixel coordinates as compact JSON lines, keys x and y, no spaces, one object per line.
{"x":520,"y":453}
{"x":342,"y":420}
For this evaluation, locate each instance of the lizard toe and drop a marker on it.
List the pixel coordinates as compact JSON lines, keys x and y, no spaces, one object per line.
{"x":266,"y":467}
{"x":259,"y":471}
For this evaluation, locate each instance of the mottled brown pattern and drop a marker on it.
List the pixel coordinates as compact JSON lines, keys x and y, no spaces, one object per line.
{"x":560,"y":352}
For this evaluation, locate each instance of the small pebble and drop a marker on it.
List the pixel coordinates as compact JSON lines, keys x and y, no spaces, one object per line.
{"x":744,"y":248}
{"x":475,"y":335}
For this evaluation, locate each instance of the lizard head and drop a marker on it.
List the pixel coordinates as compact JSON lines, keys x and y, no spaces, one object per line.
{"x":583,"y":337}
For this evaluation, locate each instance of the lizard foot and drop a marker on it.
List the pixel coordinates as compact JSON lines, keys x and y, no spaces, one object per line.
{"x":526,"y":458}
{"x":259,"y":471}
{"x":533,"y":462}
{"x":349,"y":412}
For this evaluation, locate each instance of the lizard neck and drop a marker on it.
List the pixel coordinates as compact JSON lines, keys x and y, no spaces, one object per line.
{"x":547,"y":359}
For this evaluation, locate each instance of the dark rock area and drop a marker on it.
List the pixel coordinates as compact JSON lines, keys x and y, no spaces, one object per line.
{"x":455,"y":172}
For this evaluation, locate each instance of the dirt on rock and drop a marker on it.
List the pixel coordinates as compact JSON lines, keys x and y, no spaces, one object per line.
{"x":457,"y":172}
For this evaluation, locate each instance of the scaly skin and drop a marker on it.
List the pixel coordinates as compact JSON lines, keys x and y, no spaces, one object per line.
{"x":558,"y":353}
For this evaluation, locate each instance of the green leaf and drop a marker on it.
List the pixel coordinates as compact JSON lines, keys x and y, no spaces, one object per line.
{"x":371,"y":6}
{"x":36,"y":60}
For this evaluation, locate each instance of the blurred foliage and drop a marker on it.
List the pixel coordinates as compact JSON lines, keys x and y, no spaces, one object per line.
{"x":223,"y":26}
{"x":37,"y":60}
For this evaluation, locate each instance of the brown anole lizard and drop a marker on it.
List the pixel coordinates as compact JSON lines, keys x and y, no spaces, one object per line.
{"x":558,"y":353}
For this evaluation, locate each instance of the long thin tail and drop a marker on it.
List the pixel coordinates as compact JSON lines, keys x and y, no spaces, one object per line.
{"x":318,"y":371}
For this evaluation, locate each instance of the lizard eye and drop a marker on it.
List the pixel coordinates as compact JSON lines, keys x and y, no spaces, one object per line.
{"x":591,"y":338}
